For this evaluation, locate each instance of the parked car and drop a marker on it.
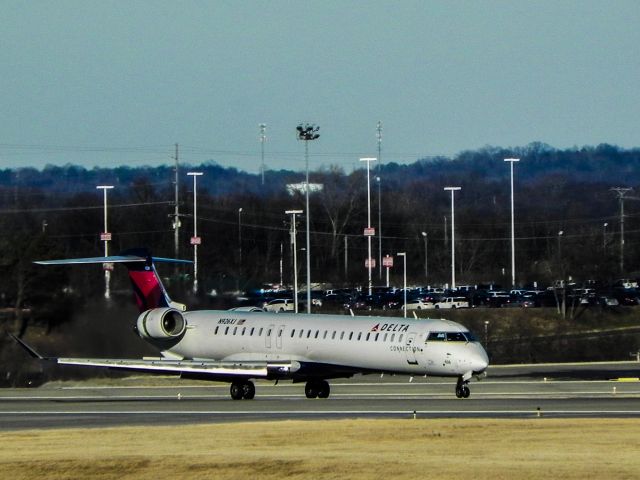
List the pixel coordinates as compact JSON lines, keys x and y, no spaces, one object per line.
{"x":417,"y":304}
{"x":280,"y":305}
{"x":452,"y":302}
{"x":519,"y":301}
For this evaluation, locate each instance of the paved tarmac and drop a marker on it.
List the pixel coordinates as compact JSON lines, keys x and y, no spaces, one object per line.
{"x":508,"y":392}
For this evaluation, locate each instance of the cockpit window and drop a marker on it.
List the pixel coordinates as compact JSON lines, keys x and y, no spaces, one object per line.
{"x":451,"y":337}
{"x":456,"y":337}
{"x":437,"y":337}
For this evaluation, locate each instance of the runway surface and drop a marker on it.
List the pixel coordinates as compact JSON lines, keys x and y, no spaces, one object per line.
{"x":522,"y":392}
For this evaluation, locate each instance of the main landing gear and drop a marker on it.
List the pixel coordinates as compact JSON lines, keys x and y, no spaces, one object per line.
{"x":462,"y":389}
{"x":243,"y":389}
{"x":317,"y":389}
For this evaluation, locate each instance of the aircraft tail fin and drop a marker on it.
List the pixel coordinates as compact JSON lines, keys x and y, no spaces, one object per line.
{"x":147,"y":286}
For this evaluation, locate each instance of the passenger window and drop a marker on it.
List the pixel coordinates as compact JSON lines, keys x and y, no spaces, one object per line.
{"x":400,"y":338}
{"x":377,"y":335}
{"x":317,"y":333}
{"x":226,"y":330}
{"x":324,"y":337}
{"x":260,"y":332}
{"x":216,"y":331}
{"x":333,"y":335}
{"x":393,"y":337}
{"x":269,"y":333}
{"x":350,"y":335}
{"x":301,"y":333}
{"x":244,"y":329}
{"x":293,"y":332}
{"x":359,"y":336}
{"x":251,"y":333}
{"x":280,"y":332}
{"x":308,"y":333}
{"x":235,"y":329}
{"x":368,"y":335}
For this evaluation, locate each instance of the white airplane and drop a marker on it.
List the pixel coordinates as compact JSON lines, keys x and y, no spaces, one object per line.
{"x":240,"y":346}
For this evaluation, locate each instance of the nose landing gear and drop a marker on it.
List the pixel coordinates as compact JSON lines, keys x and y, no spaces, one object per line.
{"x":462,"y":389}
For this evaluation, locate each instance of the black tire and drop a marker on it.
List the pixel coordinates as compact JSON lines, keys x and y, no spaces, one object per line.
{"x":465,"y":391}
{"x":311,"y":390}
{"x":324,"y":389}
{"x":248,"y":390}
{"x":236,"y":390}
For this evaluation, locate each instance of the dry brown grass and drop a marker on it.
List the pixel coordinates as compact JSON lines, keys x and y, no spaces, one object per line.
{"x":359,"y":449}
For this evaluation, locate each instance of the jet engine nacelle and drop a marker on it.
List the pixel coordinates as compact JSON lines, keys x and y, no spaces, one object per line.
{"x":161,"y":324}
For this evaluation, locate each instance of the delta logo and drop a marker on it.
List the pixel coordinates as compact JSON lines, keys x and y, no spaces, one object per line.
{"x":390,"y":327}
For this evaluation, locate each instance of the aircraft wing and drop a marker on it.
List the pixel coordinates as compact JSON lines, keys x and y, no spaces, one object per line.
{"x":191,"y":368}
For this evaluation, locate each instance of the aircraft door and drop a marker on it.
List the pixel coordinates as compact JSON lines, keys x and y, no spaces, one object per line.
{"x":279,"y":336}
{"x":267,"y":338}
{"x":410,"y":349}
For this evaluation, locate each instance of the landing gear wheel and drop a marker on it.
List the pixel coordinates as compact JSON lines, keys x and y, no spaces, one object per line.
{"x":248,"y":390}
{"x":311,"y":389}
{"x":323,"y":389}
{"x":236,"y":390}
{"x":462,"y":390}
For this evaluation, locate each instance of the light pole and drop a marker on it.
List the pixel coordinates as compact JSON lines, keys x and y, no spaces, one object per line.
{"x":263,"y":138}
{"x":604,"y":236}
{"x":240,"y":242}
{"x":379,"y":229}
{"x":560,"y":233}
{"x":106,"y":236}
{"x":195,"y":240}
{"x":369,"y":160}
{"x":453,"y":236}
{"x":621,"y":193}
{"x":308,"y":132}
{"x":293,"y":214}
{"x":404,"y":281}
{"x":425,"y":237}
{"x":513,"y":238}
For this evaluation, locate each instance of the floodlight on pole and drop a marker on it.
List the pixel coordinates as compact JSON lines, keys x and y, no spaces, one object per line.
{"x":239,"y":241}
{"x":307,"y":132}
{"x":106,"y":236}
{"x":369,"y":262}
{"x":263,"y":138}
{"x":513,"y":235}
{"x":293,"y":214}
{"x":195,"y":240}
{"x":453,"y":236}
{"x":378,"y":181}
{"x":404,"y":281}
{"x":425,"y":237}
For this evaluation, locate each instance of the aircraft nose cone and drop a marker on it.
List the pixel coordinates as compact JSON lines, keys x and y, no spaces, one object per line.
{"x":480,"y":360}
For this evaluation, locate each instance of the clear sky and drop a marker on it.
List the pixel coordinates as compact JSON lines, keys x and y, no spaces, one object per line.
{"x":119,"y":82}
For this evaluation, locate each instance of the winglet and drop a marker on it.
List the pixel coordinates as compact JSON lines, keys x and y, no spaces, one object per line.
{"x":24,"y":345}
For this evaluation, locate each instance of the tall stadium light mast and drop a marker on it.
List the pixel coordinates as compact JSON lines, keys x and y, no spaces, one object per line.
{"x":263,"y":138}
{"x":176,"y":214}
{"x":378,"y":181}
{"x":308,"y":132}
{"x":404,"y":281}
{"x":425,"y":238}
{"x":369,"y":262}
{"x":195,"y":240}
{"x":453,"y":236}
{"x":106,"y":236}
{"x":513,"y":235}
{"x":621,"y":193}
{"x":293,"y":214}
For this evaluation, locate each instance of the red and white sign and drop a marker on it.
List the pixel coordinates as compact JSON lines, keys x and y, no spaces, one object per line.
{"x":387,"y":262}
{"x":373,"y":263}
{"x":369,"y":232}
{"x":105,"y":237}
{"x":196,"y":240}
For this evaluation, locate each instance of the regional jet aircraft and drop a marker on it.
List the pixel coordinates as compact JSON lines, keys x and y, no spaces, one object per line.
{"x":238,"y":347}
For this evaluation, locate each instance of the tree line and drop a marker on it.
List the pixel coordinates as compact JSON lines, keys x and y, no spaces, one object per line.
{"x":57,"y":212}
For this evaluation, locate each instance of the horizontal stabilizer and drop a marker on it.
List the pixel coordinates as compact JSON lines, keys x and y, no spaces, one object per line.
{"x":110,"y":259}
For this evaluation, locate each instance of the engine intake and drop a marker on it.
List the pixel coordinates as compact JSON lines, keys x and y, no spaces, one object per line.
{"x":161,"y":324}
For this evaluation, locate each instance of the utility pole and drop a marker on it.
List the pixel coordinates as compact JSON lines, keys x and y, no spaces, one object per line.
{"x":621,"y":193}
